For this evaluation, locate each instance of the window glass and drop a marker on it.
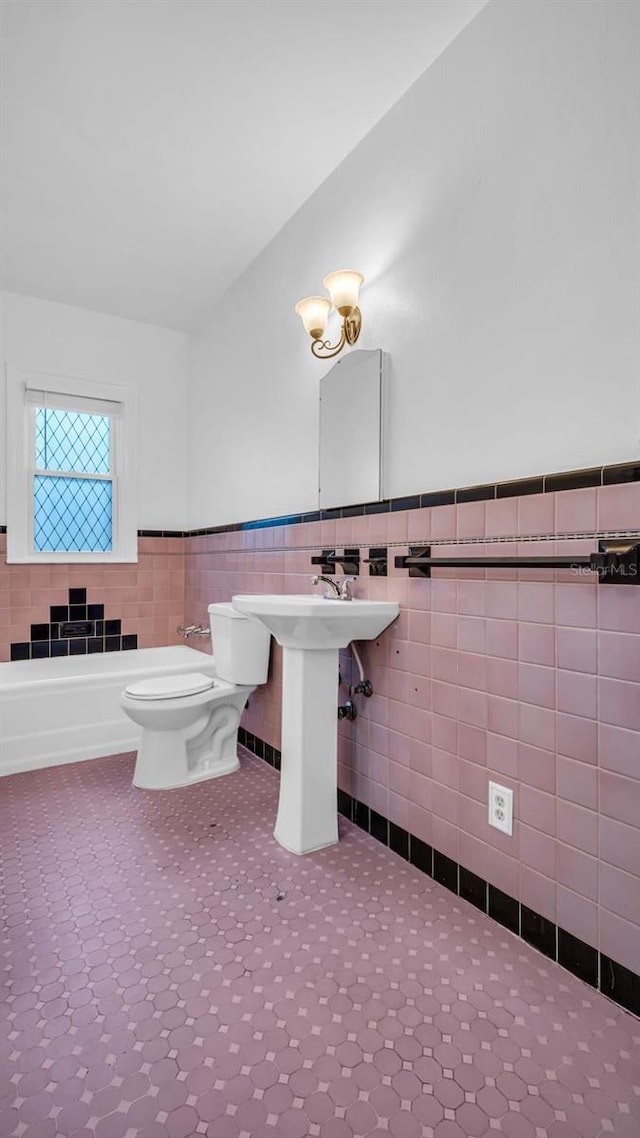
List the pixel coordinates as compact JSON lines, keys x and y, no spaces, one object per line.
{"x":71,"y":440}
{"x":72,"y":514}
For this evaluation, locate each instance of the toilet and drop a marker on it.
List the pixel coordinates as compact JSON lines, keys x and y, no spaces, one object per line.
{"x":189,"y":722}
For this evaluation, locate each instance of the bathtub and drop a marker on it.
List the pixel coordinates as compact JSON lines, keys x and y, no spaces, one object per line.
{"x":65,"y":710}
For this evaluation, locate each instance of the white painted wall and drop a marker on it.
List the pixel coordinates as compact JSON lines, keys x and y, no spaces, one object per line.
{"x":52,"y":337}
{"x":494,"y":213}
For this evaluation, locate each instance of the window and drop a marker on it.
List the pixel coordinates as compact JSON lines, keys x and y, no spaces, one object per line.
{"x":70,"y":493}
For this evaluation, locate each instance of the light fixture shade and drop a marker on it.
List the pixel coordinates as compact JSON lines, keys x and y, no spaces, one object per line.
{"x":343,"y":287}
{"x":314,"y":313}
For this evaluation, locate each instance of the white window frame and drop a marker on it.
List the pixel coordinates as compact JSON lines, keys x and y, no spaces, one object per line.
{"x":92,"y":398}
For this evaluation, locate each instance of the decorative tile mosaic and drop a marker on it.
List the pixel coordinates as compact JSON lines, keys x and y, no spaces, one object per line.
{"x":74,"y":629}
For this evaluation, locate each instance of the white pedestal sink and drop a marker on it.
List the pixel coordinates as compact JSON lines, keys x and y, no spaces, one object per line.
{"x":311,"y":630}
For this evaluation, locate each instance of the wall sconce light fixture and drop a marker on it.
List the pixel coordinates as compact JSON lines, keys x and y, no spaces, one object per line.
{"x":343,"y":287}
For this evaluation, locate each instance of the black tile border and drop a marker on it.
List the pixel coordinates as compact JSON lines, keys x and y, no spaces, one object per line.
{"x":615,"y":981}
{"x":616,"y":474}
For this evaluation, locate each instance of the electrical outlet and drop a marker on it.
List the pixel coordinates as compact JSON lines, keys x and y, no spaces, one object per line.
{"x":501,"y":808}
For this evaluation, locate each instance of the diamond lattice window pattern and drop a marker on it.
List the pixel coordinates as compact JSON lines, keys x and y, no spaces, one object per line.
{"x":72,"y":441}
{"x":72,"y":515}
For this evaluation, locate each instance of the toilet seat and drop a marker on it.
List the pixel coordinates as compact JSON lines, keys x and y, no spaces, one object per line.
{"x":170,"y":687}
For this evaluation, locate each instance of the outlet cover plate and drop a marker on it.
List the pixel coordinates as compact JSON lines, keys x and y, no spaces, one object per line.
{"x":501,"y":808}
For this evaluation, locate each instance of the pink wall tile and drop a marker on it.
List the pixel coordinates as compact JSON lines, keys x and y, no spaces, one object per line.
{"x":578,"y":915}
{"x":620,"y":940}
{"x":502,"y":638}
{"x":577,"y":870}
{"x":473,"y":707}
{"x":620,"y":892}
{"x":444,"y":836}
{"x":619,"y":750}
{"x":398,"y":525}
{"x":419,"y":526}
{"x":619,"y":703}
{"x":502,"y":716}
{"x":577,"y":738}
{"x":420,"y":756}
{"x":619,"y":506}
{"x":501,"y":517}
{"x":471,"y":634}
{"x":618,"y":609}
{"x":470,"y":519}
{"x":444,"y":595}
{"x":619,"y":655}
{"x":537,"y":685}
{"x":420,"y":789}
{"x":537,"y":767}
{"x":472,"y":670}
{"x":503,"y":871}
{"x":420,"y":823}
{"x":538,"y":850}
{"x":577,"y":649}
{"x":444,"y":664}
{"x":471,"y":598}
{"x":501,"y":599}
{"x":444,"y":629}
{"x":473,"y":782}
{"x":620,"y":798}
{"x":536,"y":602}
{"x":502,"y":755}
{"x":577,"y":782}
{"x":538,"y":892}
{"x":577,"y":694}
{"x":443,"y":523}
{"x":536,"y":514}
{"x":536,"y":725}
{"x":576,"y":605}
{"x":537,"y":643}
{"x":444,"y":768}
{"x":472,"y":743}
{"x":398,"y":810}
{"x":444,"y":733}
{"x":576,"y":511}
{"x":619,"y":844}
{"x":502,"y":677}
{"x":444,"y":699}
{"x":419,"y":626}
{"x":444,"y":803}
{"x":472,"y":853}
{"x":538,"y":809}
{"x":577,"y":827}
{"x":472,"y":817}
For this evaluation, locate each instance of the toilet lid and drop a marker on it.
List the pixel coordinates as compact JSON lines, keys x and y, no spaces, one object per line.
{"x":170,"y":687}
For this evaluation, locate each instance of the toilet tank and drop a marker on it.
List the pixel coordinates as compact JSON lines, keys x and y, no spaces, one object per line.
{"x":240,"y":646}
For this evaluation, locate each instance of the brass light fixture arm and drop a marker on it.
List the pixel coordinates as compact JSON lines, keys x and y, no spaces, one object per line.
{"x":351,"y":326}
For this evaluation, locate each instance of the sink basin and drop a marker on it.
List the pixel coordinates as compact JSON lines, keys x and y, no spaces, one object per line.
{"x":312,"y":630}
{"x":315,"y":622}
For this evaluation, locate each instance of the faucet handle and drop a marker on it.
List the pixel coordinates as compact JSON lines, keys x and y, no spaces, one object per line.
{"x":345,"y":590}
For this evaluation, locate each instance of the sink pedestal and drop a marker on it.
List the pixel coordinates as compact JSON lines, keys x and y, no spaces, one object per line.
{"x":307,"y":811}
{"x":312,"y":630}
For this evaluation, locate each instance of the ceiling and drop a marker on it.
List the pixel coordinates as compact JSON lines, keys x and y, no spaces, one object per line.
{"x":152,"y":148}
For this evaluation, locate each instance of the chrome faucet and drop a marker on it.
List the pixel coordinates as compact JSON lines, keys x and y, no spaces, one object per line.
{"x":341,"y":589}
{"x":193,"y":630}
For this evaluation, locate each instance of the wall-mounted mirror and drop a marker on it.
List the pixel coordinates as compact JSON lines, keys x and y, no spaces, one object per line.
{"x":352,"y":415}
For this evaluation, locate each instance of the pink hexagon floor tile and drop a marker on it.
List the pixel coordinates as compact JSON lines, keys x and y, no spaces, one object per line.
{"x":169,"y":971}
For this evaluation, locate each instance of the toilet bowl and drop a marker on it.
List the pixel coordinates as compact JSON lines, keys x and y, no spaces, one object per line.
{"x":189,"y":723}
